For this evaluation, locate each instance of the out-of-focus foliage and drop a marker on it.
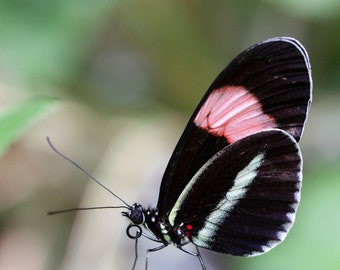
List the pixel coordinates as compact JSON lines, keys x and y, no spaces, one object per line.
{"x":127,"y":75}
{"x":16,"y":120}
{"x":312,"y":10}
{"x":45,"y":41}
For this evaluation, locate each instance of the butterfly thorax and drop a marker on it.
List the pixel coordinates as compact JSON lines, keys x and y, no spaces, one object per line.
{"x":161,"y":228}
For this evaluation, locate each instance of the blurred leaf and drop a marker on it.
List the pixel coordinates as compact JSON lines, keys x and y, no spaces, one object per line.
{"x":46,"y":41}
{"x":13,"y":123}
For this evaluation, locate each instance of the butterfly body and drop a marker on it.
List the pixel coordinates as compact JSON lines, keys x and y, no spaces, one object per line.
{"x":161,"y":229}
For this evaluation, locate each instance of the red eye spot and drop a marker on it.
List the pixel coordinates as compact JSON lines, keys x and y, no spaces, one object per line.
{"x":189,"y":227}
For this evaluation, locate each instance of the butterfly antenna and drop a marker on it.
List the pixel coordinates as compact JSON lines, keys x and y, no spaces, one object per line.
{"x":84,"y":171}
{"x":83,"y":208}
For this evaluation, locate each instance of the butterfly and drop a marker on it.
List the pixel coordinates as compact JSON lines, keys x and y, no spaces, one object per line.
{"x":233,"y":182}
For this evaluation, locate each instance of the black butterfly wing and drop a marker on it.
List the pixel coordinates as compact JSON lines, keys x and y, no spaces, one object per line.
{"x":244,"y":199}
{"x":266,"y":86}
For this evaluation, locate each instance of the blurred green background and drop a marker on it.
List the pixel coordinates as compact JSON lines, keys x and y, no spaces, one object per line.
{"x":113,"y":84}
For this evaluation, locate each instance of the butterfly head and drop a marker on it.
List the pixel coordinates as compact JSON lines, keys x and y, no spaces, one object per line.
{"x":135,"y":214}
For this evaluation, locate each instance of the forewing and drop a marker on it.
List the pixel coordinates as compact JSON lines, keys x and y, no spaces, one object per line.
{"x":266,"y":86}
{"x":243,"y":200}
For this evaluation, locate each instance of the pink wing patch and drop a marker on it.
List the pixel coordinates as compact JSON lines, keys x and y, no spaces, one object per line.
{"x":233,"y":112}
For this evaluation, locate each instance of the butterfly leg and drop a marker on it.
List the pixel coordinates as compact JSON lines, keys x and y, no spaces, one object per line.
{"x":136,"y":253}
{"x":151,"y":250}
{"x":200,"y":259}
{"x":197,"y":254}
{"x":130,"y":234}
